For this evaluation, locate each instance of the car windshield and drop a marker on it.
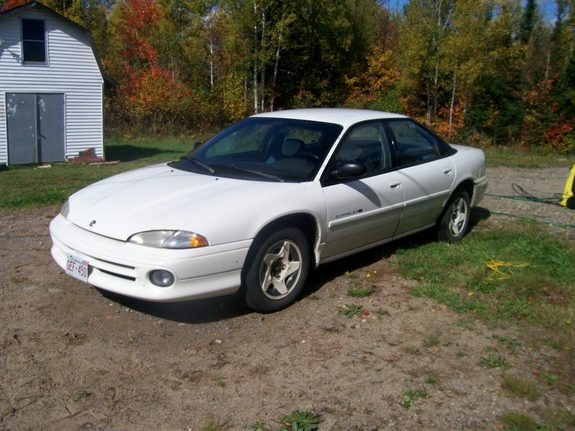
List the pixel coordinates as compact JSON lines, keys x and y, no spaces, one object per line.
{"x":264,"y":149}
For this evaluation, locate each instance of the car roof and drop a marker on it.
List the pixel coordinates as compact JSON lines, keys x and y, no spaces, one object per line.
{"x":342,"y":116}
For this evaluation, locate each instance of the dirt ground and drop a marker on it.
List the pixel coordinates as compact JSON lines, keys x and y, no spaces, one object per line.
{"x":75,"y":358}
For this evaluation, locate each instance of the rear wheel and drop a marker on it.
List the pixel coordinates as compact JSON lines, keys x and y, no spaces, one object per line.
{"x":454,"y":220}
{"x":277,"y":269}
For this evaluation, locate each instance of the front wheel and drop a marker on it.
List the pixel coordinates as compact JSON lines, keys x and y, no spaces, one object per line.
{"x":276,"y":270}
{"x":454,"y":220}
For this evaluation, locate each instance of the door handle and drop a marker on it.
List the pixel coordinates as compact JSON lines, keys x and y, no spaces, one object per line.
{"x":395,"y":185}
{"x":448,"y":171}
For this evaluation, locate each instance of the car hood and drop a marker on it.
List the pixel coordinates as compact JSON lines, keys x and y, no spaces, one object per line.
{"x":160,"y":197}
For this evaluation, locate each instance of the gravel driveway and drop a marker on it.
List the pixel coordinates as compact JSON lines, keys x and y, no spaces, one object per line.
{"x":542,"y":183}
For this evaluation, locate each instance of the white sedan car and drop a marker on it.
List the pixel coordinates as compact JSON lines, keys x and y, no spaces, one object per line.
{"x":263,"y":202}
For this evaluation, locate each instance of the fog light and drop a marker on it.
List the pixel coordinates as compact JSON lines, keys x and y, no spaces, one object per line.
{"x":161,"y":278}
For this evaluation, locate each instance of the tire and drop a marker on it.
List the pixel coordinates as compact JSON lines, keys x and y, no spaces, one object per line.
{"x":276,"y":270}
{"x":454,"y":220}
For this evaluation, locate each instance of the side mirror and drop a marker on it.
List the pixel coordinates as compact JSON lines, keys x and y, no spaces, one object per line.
{"x":348,"y":171}
{"x":196,"y":145}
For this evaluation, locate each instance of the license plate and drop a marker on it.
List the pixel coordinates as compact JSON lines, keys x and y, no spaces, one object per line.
{"x":77,"y":268}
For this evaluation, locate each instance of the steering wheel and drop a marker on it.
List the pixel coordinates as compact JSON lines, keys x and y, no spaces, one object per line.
{"x":307,"y":155}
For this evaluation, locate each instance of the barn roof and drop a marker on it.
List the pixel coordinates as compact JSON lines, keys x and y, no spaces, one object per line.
{"x":40,"y":6}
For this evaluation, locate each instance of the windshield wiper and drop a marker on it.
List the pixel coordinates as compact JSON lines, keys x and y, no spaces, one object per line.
{"x":262,"y":174}
{"x":250,"y":171}
{"x":200,"y":164}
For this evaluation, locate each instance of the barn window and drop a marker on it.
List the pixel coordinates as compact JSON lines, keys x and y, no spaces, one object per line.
{"x":33,"y":41}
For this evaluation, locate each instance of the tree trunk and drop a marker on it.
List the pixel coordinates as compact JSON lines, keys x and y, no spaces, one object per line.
{"x":212,"y":68}
{"x":263,"y":68}
{"x":452,"y":104}
{"x":255,"y":60}
{"x":275,"y":75}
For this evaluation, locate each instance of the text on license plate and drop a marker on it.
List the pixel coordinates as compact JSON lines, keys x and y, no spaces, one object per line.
{"x":77,"y":268}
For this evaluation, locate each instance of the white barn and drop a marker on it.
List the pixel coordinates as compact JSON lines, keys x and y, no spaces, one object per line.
{"x":51,"y":88}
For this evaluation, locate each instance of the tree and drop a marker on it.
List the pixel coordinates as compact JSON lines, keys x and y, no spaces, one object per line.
{"x":6,"y":5}
{"x":422,"y":35}
{"x":528,"y":21}
{"x":374,"y":85}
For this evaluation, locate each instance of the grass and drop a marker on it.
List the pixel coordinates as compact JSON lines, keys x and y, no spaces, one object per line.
{"x":301,"y":421}
{"x":530,"y":288}
{"x":81,"y":394}
{"x":360,"y":292}
{"x":360,"y":287}
{"x":260,"y":426}
{"x":214,"y":424}
{"x":22,"y":186}
{"x":512,"y":344}
{"x":518,"y":157}
{"x":297,"y":420}
{"x":494,"y":361}
{"x":556,"y":420}
{"x":350,"y":310}
{"x":382,"y":313}
{"x":518,"y":421}
{"x":410,"y":395}
{"x":521,"y":387}
{"x":432,"y":340}
{"x":534,"y":284}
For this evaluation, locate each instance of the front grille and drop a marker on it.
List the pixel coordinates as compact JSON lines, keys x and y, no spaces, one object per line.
{"x":114,"y":274}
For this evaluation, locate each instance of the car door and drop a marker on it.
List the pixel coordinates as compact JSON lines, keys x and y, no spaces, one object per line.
{"x":427,"y":172}
{"x":362,"y":210}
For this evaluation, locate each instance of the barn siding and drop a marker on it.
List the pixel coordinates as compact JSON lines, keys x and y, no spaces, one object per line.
{"x":71,"y":69}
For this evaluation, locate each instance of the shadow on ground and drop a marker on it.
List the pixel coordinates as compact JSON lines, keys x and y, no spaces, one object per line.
{"x":128,"y":153}
{"x":196,"y":311}
{"x":478,"y":214}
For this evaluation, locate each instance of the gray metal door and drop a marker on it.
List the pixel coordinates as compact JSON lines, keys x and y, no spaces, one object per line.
{"x":50,"y":113}
{"x":21,"y":118}
{"x":35,"y":128}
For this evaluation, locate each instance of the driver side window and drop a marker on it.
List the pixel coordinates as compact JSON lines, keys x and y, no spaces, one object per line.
{"x":366,"y":144}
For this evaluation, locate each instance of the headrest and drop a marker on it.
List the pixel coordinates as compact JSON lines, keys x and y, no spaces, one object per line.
{"x":290,"y":147}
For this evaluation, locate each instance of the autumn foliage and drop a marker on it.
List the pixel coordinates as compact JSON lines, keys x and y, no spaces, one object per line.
{"x":490,"y":72}
{"x":11,"y":4}
{"x":139,"y":19}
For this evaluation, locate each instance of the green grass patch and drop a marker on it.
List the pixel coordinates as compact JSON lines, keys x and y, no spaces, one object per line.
{"x":381,"y":313}
{"x":521,"y":387}
{"x":494,"y":361}
{"x":22,"y":186}
{"x":518,"y":157}
{"x":560,"y":419}
{"x":519,"y":421}
{"x":260,"y":426}
{"x":410,"y":395}
{"x":215,"y":424}
{"x":360,"y":292}
{"x":517,"y":274}
{"x":432,"y":340}
{"x":301,"y":421}
{"x":350,"y":310}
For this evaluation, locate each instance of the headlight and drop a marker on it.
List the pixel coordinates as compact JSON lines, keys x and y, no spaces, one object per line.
{"x":169,"y":239}
{"x":65,"y":209}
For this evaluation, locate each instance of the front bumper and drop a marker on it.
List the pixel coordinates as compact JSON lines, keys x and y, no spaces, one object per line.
{"x":123,"y":268}
{"x":479,"y":190}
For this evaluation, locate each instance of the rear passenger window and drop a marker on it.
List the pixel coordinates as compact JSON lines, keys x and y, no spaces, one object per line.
{"x":414,"y":143}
